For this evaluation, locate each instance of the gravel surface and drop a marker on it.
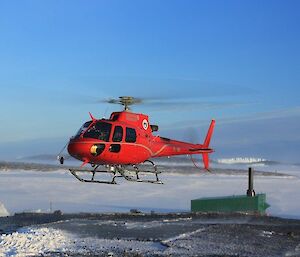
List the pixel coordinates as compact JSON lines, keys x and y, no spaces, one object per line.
{"x":182,"y":234}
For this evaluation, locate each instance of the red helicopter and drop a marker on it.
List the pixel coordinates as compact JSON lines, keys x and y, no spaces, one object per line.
{"x":122,"y":143}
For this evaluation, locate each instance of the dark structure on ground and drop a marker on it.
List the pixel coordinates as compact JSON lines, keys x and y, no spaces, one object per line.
{"x":238,"y":203}
{"x":249,"y":203}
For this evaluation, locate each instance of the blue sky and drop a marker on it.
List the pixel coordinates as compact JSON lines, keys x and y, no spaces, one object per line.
{"x":239,"y":59}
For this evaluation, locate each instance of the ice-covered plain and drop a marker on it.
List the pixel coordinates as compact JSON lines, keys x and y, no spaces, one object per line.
{"x":32,"y":190}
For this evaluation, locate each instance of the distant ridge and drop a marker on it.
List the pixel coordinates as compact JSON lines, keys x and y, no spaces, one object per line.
{"x":7,"y":166}
{"x":43,"y":157}
{"x":183,"y":169}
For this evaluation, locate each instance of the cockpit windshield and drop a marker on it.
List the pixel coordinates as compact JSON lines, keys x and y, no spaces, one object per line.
{"x":83,"y":128}
{"x":99,"y":130}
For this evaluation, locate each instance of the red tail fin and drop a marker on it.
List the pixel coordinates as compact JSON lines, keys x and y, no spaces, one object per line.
{"x":209,"y":133}
{"x":205,"y":156}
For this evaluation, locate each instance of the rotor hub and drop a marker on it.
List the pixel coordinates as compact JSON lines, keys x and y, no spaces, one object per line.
{"x":126,"y":101}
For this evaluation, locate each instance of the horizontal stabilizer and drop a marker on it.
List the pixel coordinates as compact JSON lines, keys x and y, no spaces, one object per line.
{"x":200,"y":149}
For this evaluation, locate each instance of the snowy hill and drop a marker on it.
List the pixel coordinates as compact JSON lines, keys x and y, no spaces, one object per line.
{"x":3,"y":211}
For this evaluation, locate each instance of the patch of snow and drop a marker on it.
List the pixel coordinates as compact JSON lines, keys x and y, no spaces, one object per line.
{"x":177,"y":220}
{"x":153,"y":224}
{"x":39,"y":241}
{"x":31,"y":242}
{"x":267,"y":233}
{"x":141,"y":225}
{"x":182,"y":236}
{"x":295,"y":253}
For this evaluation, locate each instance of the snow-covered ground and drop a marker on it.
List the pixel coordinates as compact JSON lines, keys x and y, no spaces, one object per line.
{"x":31,"y":190}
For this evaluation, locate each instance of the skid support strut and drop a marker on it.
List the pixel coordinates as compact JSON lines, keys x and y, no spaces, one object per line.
{"x":138,"y":174}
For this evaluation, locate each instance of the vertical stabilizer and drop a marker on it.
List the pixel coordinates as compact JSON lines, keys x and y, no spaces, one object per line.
{"x":209,"y":133}
{"x":206,"y":143}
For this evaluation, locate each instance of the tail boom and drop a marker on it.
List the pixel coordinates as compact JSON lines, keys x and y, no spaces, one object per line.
{"x":169,"y":147}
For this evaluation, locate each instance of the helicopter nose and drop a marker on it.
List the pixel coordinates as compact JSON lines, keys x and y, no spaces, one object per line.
{"x":77,"y":150}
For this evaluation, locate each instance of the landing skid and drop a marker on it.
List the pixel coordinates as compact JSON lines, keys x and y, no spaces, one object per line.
{"x":92,"y":180}
{"x":131,"y":173}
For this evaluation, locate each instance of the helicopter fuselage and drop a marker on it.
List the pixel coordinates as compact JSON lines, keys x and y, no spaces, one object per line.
{"x":126,"y":139}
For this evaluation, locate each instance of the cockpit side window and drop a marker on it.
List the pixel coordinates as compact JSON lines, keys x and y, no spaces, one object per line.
{"x":130,"y":135}
{"x":118,"y":134}
{"x":83,"y":128}
{"x":99,"y":130}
